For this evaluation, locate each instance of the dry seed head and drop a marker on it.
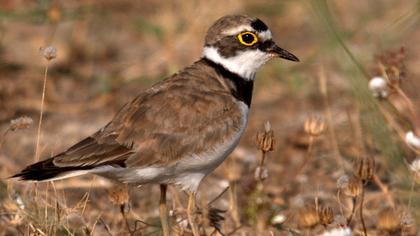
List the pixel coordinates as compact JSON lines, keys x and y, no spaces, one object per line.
{"x":351,"y":187}
{"x":119,"y":194}
{"x":408,"y":224}
{"x":365,"y":168}
{"x":308,"y":217}
{"x":20,"y":123}
{"x":49,"y":52}
{"x":339,"y":220}
{"x":314,"y":126}
{"x":326,"y":215}
{"x":265,"y":139}
{"x":388,"y":220}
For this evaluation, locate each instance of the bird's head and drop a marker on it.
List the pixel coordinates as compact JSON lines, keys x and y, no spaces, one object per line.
{"x":242,"y":44}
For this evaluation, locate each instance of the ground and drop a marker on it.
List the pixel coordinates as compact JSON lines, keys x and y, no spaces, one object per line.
{"x":108,"y":51}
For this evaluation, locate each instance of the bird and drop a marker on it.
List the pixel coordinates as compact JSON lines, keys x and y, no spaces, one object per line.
{"x":180,"y":129}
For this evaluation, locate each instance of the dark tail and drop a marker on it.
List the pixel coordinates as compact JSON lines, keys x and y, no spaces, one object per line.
{"x":45,"y":170}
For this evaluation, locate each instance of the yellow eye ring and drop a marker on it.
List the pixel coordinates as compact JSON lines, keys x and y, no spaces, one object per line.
{"x":248,"y":38}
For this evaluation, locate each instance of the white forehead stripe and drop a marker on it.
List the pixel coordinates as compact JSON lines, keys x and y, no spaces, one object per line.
{"x":263,"y":35}
{"x":237,"y":30}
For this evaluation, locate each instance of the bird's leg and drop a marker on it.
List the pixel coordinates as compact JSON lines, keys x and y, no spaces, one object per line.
{"x":191,"y":214}
{"x":163,"y":210}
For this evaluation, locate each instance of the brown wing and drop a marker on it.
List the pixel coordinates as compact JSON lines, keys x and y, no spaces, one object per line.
{"x":181,"y":116}
{"x":94,"y":152}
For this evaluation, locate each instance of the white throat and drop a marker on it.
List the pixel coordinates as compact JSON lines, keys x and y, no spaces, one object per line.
{"x":245,"y":64}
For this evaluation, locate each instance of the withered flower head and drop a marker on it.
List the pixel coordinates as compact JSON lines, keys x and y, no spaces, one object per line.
{"x":364,"y":168}
{"x":265,"y":139}
{"x":349,"y":186}
{"x":389,"y":220}
{"x":49,"y":52}
{"x":308,"y":217}
{"x":408,"y":224}
{"x":118,"y":195}
{"x":20,"y":123}
{"x":314,"y":126}
{"x":326,"y":215}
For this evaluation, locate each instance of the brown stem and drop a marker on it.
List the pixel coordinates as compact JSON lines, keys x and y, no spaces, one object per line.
{"x":261,"y":164}
{"x":411,"y":109}
{"x":306,"y":160}
{"x":361,"y":210}
{"x":3,"y":137}
{"x":413,"y":183}
{"x":233,"y":199}
{"x":41,"y":113}
{"x":191,"y":214}
{"x":163,"y":210}
{"x":332,"y":134}
{"x":352,"y":211}
{"x":125,"y":219}
{"x":384,"y":190}
{"x":218,"y":196}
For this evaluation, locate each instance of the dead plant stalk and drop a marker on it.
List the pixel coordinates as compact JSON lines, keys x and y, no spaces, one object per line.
{"x":41,"y":113}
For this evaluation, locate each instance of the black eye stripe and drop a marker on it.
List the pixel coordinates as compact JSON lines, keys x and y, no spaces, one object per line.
{"x":264,"y":45}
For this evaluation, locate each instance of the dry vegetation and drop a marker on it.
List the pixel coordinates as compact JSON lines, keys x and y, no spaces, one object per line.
{"x":337,"y":155}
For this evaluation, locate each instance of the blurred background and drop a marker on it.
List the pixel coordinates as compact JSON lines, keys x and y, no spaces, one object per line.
{"x":108,"y":51}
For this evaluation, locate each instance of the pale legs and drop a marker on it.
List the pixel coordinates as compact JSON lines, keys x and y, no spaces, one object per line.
{"x":191,"y":213}
{"x":163,"y":210}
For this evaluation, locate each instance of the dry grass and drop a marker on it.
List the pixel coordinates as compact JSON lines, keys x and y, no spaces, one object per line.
{"x":335,"y":157}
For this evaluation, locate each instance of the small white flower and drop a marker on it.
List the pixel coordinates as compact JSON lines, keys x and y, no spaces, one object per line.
{"x":415,"y":165}
{"x":412,"y":140}
{"x":278,"y":219}
{"x":338,"y":232}
{"x":378,"y":87}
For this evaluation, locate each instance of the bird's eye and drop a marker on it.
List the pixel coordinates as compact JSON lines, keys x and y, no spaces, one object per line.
{"x":248,"y":38}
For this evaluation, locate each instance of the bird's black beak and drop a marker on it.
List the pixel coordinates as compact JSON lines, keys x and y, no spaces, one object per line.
{"x":280,"y":52}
